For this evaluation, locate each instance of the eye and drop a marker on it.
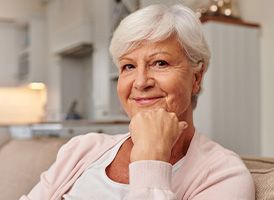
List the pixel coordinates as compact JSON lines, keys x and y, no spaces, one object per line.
{"x":127,"y":67}
{"x":160,"y":63}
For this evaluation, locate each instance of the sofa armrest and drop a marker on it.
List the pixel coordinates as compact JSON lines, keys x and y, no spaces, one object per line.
{"x":4,"y":137}
{"x":22,"y":162}
{"x":262,"y":171}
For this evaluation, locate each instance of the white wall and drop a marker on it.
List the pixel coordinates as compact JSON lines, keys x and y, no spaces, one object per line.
{"x":262,"y":12}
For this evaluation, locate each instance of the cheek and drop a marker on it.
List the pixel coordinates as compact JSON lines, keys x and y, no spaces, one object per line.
{"x":120,"y":89}
{"x":180,"y":96}
{"x":180,"y":99}
{"x":123,"y":89}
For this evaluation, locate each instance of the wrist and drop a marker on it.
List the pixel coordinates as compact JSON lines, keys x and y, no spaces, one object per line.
{"x":143,"y":152}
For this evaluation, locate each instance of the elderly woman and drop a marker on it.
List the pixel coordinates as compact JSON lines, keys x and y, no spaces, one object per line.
{"x":162,"y":56}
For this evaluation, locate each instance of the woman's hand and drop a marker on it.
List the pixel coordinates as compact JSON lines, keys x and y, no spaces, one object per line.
{"x":154,"y":133}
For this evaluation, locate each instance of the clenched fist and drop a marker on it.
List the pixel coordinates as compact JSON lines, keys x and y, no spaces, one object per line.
{"x":154,"y":133}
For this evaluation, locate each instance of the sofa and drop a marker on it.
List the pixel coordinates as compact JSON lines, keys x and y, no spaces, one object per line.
{"x":22,"y":161}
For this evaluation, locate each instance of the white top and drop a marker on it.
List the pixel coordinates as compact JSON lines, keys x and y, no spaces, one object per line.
{"x":95,"y":184}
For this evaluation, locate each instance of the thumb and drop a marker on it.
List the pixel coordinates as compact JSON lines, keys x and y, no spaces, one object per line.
{"x":182,"y":126}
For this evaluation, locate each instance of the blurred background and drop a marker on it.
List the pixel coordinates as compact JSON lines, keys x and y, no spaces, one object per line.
{"x":56,"y":76}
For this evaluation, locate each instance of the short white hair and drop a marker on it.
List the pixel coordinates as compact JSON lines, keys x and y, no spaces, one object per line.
{"x":158,"y":22}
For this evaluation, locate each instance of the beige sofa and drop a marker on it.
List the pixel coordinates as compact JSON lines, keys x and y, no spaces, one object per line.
{"x":22,"y":161}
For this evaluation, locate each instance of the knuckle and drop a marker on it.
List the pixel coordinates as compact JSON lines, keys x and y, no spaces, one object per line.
{"x":161,"y":110}
{"x":172,"y":114}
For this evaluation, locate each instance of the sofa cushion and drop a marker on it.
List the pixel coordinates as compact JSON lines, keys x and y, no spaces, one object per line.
{"x":22,"y":162}
{"x":4,"y":138}
{"x":262,"y":170}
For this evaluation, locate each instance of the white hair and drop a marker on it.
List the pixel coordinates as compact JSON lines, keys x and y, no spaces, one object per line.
{"x":157,"y":23}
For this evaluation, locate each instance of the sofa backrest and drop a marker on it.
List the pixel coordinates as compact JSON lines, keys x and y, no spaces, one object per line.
{"x":4,"y":138}
{"x":262,"y":171}
{"x":22,"y":162}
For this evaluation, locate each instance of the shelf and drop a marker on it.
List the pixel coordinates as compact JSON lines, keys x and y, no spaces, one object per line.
{"x":229,"y":20}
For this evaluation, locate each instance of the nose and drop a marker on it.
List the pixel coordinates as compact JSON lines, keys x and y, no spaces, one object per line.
{"x":143,"y":79}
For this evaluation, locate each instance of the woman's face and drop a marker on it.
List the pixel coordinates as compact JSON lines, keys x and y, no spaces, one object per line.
{"x":156,"y":75}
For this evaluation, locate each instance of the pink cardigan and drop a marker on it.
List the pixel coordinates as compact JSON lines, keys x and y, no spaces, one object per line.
{"x":208,"y":172}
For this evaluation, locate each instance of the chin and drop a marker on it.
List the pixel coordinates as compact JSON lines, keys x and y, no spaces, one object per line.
{"x":134,"y":111}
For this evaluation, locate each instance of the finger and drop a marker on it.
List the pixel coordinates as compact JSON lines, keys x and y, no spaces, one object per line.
{"x":182,"y":126}
{"x":130,"y":126}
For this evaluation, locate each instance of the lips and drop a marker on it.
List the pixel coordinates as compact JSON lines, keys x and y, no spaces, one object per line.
{"x":146,"y":101}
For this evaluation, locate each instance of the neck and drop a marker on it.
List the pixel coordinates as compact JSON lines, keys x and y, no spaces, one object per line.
{"x":180,"y":148}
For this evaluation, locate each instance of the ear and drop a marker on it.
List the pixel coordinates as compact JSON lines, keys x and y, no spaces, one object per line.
{"x":197,"y":79}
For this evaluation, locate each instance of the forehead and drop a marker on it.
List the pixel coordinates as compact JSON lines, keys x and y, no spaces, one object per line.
{"x":169,"y":45}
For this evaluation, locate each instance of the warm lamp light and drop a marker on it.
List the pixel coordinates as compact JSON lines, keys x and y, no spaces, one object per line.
{"x":228,"y":12}
{"x":37,"y":86}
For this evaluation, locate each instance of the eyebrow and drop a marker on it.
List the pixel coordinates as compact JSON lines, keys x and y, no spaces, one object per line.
{"x":151,"y":55}
{"x":160,"y":52}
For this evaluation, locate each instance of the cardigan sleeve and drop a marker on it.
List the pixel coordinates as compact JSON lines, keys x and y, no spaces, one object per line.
{"x":150,"y":179}
{"x":234,"y":183}
{"x":226,"y":178}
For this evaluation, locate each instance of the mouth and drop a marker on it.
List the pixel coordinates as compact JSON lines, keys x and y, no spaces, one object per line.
{"x":146,"y":101}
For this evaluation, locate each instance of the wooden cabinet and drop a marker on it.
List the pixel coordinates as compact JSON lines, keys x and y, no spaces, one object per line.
{"x":22,"y":52}
{"x":229,"y":105}
{"x":8,"y":53}
{"x":32,"y":56}
{"x":38,"y":50}
{"x":70,"y":24}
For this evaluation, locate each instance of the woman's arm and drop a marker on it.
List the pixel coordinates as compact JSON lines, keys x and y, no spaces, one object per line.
{"x":154,"y":134}
{"x":151,"y":180}
{"x":227,"y":178}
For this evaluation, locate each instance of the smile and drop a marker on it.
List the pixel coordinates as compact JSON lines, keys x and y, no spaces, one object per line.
{"x":147,"y":101}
